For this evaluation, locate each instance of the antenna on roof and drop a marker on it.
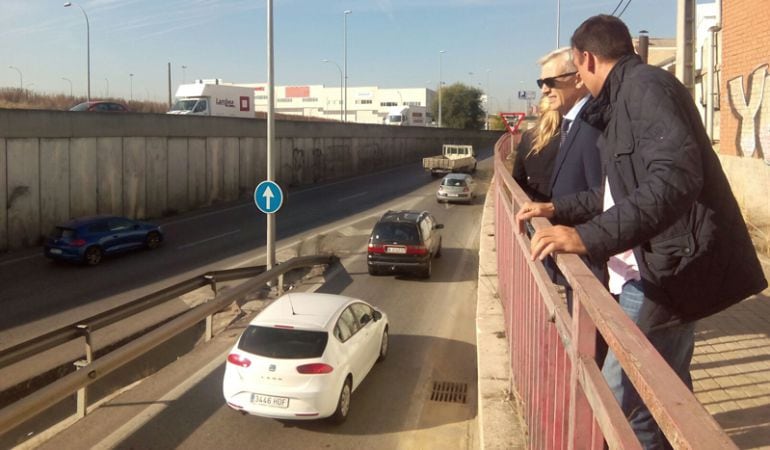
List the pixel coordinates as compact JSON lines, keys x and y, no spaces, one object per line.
{"x":291,"y":305}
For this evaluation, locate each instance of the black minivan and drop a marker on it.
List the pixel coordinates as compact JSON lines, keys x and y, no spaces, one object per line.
{"x":404,"y":240}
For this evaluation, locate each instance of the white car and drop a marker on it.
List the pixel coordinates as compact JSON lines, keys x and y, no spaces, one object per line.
{"x":456,"y":187}
{"x":303,"y":356}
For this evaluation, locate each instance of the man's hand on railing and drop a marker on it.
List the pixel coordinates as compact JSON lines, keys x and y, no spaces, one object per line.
{"x":556,"y":239}
{"x":532,"y":209}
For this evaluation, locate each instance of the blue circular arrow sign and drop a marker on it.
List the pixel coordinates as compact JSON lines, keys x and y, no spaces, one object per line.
{"x":268,"y":196}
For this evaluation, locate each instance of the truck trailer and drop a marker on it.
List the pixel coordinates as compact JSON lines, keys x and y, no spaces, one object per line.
{"x":206,"y":98}
{"x":453,"y":159}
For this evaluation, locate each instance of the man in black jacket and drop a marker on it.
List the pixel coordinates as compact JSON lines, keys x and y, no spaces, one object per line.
{"x":665,"y":218}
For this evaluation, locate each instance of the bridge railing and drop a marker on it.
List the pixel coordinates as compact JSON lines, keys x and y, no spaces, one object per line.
{"x":567,"y":402}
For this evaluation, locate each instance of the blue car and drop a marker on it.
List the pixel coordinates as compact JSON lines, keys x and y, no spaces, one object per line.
{"x":89,"y":239}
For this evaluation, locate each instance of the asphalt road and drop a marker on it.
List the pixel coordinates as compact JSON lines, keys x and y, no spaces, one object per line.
{"x":432,"y":326}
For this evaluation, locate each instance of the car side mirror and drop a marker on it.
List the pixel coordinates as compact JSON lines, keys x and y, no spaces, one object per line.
{"x":366,"y":318}
{"x":376,"y":315}
{"x":438,"y":226}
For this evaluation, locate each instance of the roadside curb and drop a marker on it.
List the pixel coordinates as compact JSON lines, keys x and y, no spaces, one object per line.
{"x":501,"y":424}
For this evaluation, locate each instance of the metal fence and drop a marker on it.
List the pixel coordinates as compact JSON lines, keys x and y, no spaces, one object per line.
{"x":566,"y":400}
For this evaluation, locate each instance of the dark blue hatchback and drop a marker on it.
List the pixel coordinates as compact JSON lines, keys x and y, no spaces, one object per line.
{"x":88,"y":239}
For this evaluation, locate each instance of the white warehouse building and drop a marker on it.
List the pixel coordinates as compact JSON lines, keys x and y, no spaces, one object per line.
{"x":368,"y":104}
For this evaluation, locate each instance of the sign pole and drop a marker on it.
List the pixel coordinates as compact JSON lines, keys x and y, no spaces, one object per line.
{"x":270,"y":132}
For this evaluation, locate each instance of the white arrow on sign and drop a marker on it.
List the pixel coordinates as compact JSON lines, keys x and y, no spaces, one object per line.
{"x":268,"y":194}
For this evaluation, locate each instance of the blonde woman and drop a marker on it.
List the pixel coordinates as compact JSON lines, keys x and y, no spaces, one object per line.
{"x":537,"y":152}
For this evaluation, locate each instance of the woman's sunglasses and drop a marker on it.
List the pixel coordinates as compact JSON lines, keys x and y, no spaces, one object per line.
{"x":551,"y":81}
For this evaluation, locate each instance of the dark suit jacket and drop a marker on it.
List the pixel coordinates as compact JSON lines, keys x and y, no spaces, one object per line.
{"x":533,"y":172}
{"x":578,"y":165}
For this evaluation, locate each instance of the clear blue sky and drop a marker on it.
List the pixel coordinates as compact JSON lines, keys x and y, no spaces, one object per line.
{"x":391,"y":43}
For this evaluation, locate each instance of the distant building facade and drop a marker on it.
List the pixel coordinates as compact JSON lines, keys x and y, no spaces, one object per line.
{"x":368,"y":104}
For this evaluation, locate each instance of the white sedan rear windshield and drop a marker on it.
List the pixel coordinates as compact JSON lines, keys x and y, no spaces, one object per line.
{"x":283,"y":343}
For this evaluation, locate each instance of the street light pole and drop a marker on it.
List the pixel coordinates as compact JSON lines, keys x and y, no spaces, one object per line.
{"x":70,"y":82}
{"x":184,"y":74}
{"x":107,"y":84}
{"x":440,"y":52}
{"x":345,"y":45}
{"x":558,"y":21}
{"x":21,"y":77}
{"x":270,"y":131}
{"x":338,"y":68}
{"x":131,"y":80}
{"x":486,"y":116}
{"x":88,"y":49}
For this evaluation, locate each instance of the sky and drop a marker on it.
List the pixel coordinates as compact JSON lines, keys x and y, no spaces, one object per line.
{"x":489,"y":44}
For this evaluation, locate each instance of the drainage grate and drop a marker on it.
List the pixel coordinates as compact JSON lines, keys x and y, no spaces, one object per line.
{"x":449,"y":392}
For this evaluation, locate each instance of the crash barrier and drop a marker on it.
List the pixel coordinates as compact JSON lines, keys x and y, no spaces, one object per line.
{"x":55,"y":165}
{"x":92,"y":370}
{"x":567,"y":403}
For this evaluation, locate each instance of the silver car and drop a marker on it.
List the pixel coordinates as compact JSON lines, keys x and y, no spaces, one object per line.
{"x":456,"y":187}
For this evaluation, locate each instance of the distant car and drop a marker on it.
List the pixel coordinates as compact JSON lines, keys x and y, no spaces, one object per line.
{"x":404,"y":240}
{"x":89,"y":239}
{"x":456,"y":187}
{"x":303,"y":356}
{"x":97,"y":106}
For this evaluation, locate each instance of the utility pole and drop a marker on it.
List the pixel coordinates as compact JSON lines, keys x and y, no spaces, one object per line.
{"x":685,"y":43}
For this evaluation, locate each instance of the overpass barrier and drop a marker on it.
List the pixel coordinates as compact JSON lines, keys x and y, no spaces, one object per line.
{"x":55,"y":165}
{"x":567,"y":403}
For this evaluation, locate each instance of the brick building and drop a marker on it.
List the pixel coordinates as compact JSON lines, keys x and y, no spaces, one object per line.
{"x":744,"y":82}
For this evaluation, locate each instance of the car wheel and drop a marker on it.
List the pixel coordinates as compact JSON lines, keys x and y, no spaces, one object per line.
{"x":343,"y":404}
{"x":93,"y":256}
{"x":383,"y":346}
{"x":152,"y":241}
{"x":426,"y":271}
{"x":438,"y":252}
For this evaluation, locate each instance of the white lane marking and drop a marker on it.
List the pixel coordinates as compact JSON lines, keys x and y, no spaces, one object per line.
{"x":15,"y":260}
{"x":147,"y":414}
{"x":211,"y":213}
{"x":192,"y":244}
{"x":352,"y":196}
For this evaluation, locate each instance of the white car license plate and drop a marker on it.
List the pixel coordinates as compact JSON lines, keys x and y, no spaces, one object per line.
{"x":267,"y":400}
{"x":55,"y":251}
{"x":399,"y":250}
{"x":454,"y":195}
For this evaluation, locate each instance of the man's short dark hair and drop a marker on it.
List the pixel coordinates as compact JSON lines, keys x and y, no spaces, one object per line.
{"x":605,"y":36}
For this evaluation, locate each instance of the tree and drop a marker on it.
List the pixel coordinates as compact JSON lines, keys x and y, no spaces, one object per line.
{"x":496,"y":123}
{"x":460,"y":107}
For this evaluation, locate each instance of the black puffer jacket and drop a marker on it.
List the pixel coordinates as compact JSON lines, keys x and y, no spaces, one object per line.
{"x":673,"y":204}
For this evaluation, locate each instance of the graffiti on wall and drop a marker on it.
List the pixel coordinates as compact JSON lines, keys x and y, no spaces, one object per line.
{"x":753,"y":113}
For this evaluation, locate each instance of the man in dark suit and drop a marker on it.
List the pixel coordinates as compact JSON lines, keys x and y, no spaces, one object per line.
{"x":578,"y":163}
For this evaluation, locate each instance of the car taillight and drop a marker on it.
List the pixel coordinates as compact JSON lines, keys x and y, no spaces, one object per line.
{"x":416,"y":250}
{"x":238,"y":360}
{"x":315,"y":368}
{"x":374,"y":248}
{"x":78,"y":242}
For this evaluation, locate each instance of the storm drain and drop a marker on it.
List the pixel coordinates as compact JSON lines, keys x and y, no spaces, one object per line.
{"x":449,"y":392}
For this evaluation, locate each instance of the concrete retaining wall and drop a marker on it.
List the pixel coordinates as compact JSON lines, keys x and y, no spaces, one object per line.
{"x":55,"y":165}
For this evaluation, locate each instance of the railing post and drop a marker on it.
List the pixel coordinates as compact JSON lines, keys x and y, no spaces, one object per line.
{"x":82,"y":395}
{"x":580,"y":414}
{"x":210,"y":318}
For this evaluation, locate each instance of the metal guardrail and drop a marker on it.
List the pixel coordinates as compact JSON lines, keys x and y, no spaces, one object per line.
{"x":73,"y":331}
{"x":568,"y":404}
{"x":38,"y":401}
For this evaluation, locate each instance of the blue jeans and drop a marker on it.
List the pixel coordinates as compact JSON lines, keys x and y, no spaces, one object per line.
{"x":674,"y":343}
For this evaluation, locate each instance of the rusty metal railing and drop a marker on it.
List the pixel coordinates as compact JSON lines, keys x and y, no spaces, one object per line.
{"x":567,"y":402}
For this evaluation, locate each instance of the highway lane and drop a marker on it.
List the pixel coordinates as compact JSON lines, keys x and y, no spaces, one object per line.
{"x":432,"y":339}
{"x":38,"y":295}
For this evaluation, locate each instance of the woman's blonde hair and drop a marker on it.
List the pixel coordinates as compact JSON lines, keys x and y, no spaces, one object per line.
{"x":547,"y":126}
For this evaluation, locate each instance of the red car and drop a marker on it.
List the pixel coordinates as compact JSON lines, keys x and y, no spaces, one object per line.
{"x":96,"y":106}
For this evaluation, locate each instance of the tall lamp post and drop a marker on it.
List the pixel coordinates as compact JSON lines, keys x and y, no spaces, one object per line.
{"x":558,"y":21}
{"x":345,"y":48}
{"x":131,"y":84}
{"x":21,"y":77}
{"x":440,"y":52}
{"x":488,"y":104}
{"x":68,"y":81}
{"x":338,"y":68}
{"x":88,"y":49}
{"x":184,"y":74}
{"x":107,"y":86}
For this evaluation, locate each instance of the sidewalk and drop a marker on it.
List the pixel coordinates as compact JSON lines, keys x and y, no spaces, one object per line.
{"x":731,"y":369}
